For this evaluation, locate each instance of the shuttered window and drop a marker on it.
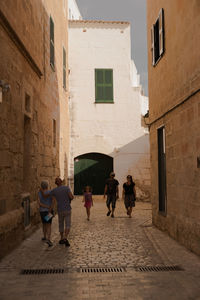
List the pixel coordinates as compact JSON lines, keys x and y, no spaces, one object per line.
{"x":52,"y":50}
{"x":64,"y":68}
{"x":157,"y":38}
{"x":104,"y":85}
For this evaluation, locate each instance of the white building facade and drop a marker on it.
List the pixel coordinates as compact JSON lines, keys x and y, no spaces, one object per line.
{"x":73,"y":10}
{"x":106,"y":102}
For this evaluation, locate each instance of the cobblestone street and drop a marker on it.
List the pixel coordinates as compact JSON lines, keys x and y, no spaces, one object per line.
{"x":103,"y":242}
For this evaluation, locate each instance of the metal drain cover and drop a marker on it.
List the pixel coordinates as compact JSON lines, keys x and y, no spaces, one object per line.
{"x":158,"y":268}
{"x":102,"y":270}
{"x":41,"y":271}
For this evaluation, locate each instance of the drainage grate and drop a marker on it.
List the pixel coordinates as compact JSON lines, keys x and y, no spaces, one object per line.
{"x":41,"y":271}
{"x":158,"y":268}
{"x":102,"y":270}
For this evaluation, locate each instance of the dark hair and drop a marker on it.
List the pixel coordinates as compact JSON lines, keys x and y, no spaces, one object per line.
{"x":129,"y":176}
{"x":87,"y":186}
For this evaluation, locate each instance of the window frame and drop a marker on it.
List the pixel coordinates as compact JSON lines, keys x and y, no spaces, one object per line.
{"x":64,"y":69}
{"x":103,"y":85}
{"x":54,"y":134}
{"x":161,"y":38}
{"x":52,"y":44}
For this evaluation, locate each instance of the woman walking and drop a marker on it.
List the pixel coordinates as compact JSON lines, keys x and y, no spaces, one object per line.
{"x":87,"y":198}
{"x":46,"y":209}
{"x":129,"y":195}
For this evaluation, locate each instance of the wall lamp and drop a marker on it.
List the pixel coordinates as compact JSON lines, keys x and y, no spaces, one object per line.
{"x":4,"y":88}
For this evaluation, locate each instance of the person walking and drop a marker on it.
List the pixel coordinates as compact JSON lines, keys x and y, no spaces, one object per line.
{"x":129,"y":195}
{"x":87,"y":199}
{"x":46,"y":210}
{"x":63,"y":196}
{"x":112,"y":191}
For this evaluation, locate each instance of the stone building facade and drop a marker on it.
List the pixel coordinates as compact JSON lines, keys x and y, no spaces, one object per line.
{"x":34,"y":123}
{"x":174,"y":117}
{"x":106,"y":133}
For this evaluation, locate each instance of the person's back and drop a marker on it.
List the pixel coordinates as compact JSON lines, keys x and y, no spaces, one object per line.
{"x":61,"y":193}
{"x":63,"y":197}
{"x":112,"y":191}
{"x":46,"y":201}
{"x":111,"y":186}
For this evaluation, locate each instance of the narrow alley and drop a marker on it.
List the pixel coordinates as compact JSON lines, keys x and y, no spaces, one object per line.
{"x":118,"y":247}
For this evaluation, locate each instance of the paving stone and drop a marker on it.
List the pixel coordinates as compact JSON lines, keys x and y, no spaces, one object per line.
{"x":102,"y":242}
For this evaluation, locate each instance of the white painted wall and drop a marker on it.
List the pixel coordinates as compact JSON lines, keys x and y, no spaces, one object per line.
{"x":73,"y":10}
{"x":103,"y":127}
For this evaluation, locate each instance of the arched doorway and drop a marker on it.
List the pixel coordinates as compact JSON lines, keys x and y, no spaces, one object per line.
{"x":91,"y":169}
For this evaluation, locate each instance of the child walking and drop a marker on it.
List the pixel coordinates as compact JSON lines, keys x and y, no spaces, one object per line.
{"x":87,"y":198}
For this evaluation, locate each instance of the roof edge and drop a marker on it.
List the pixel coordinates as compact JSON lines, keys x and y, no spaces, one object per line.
{"x":99,"y":21}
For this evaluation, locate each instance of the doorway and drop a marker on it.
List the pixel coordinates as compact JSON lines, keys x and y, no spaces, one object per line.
{"x":162,"y":170}
{"x":27,"y":153}
{"x":91,"y":169}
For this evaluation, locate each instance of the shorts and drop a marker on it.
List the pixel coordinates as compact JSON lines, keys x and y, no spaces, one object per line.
{"x":64,"y":217}
{"x":43,"y":214}
{"x":111,"y":199}
{"x":129,"y":201}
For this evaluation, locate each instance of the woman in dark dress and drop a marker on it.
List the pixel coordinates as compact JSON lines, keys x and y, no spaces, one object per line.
{"x":129,"y":195}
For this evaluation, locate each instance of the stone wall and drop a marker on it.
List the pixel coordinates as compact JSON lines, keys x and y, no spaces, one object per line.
{"x":36,"y":98}
{"x":183,"y":175}
{"x":176,"y":105}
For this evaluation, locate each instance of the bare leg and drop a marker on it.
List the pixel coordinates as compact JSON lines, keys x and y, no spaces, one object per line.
{"x":88,"y":213}
{"x":67,"y":230}
{"x":108,"y":206}
{"x":130,"y":212}
{"x":113,"y":209}
{"x":48,"y":228}
{"x":44,"y":230}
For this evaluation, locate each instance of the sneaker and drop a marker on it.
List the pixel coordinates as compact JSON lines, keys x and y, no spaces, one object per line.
{"x":108,"y":213}
{"x":112,"y":216}
{"x":67,"y":244}
{"x":49,"y":243}
{"x":61,"y":242}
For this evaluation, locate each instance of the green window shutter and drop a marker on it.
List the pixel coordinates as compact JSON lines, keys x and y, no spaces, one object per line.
{"x":64,"y":68}
{"x":108,"y":85}
{"x":52,"y":51}
{"x":104,"y":85}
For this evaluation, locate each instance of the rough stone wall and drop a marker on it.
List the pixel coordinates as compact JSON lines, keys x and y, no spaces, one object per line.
{"x":177,"y":103}
{"x":177,"y":73}
{"x":27,"y":153}
{"x":183,"y":176}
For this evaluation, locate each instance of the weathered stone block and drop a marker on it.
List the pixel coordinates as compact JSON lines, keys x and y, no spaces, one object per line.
{"x":5,"y":159}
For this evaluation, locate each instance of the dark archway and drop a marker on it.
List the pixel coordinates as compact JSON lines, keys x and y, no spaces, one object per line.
{"x":91,"y":169}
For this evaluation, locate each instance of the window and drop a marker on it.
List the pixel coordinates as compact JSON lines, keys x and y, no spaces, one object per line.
{"x":52,"y":54}
{"x":104,"y":85}
{"x":54,"y":133}
{"x":162,"y":170}
{"x":64,"y":68}
{"x":157,"y":38}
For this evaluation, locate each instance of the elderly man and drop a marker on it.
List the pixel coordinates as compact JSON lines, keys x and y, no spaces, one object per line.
{"x":63,"y":196}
